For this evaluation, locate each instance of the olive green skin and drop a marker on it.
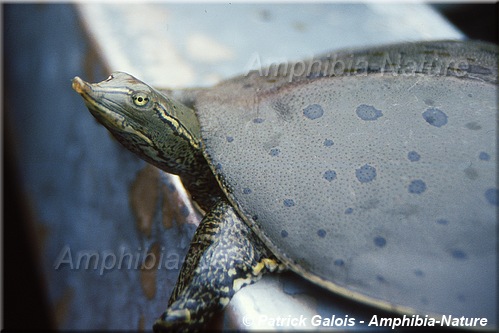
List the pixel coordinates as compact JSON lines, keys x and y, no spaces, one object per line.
{"x":376,"y":182}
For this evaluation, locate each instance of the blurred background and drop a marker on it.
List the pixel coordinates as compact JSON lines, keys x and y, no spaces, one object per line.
{"x":67,"y":184}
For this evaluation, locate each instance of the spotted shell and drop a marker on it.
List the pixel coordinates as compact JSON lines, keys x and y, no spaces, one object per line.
{"x":377,"y":179}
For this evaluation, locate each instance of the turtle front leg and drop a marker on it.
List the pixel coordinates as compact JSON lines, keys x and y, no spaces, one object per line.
{"x":225,"y":255}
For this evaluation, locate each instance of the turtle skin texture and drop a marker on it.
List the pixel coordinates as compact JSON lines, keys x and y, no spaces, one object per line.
{"x":224,"y":256}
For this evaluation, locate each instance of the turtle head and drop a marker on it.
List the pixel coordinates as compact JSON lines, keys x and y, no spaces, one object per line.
{"x":161,"y":131}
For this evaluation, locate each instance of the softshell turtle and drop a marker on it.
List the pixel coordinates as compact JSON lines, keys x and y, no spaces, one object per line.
{"x":371,"y":174}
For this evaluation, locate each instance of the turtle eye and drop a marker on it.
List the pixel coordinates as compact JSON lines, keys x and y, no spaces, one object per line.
{"x":109,"y":78}
{"x":140,"y":99}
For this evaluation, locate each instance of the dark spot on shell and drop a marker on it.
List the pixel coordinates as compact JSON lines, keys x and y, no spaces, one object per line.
{"x":246,"y":190}
{"x":218,"y":167}
{"x":258,"y":120}
{"x":418,"y":272}
{"x":365,"y":173}
{"x":417,"y":186}
{"x":349,"y":210}
{"x":274,"y":152}
{"x":247,"y":85}
{"x":443,"y":221}
{"x":461,"y":298}
{"x":313,"y":111}
{"x":330,"y":175}
{"x":321,"y":233}
{"x":284,"y":233}
{"x":368,"y":112}
{"x":289,"y":202}
{"x":492,"y":195}
{"x":254,"y":217}
{"x":429,"y":101}
{"x":471,"y":173}
{"x":474,"y":126}
{"x":339,"y":262}
{"x":484,"y":156}
{"x":380,"y":278}
{"x":413,"y":156}
{"x":230,"y":139}
{"x":328,"y":143}
{"x":379,"y":241}
{"x":458,"y":254}
{"x":435,"y":117}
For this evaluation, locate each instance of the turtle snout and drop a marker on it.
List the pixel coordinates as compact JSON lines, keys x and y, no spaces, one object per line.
{"x":80,"y":86}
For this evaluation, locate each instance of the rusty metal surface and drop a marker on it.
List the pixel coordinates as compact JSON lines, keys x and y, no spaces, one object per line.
{"x":112,"y":230}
